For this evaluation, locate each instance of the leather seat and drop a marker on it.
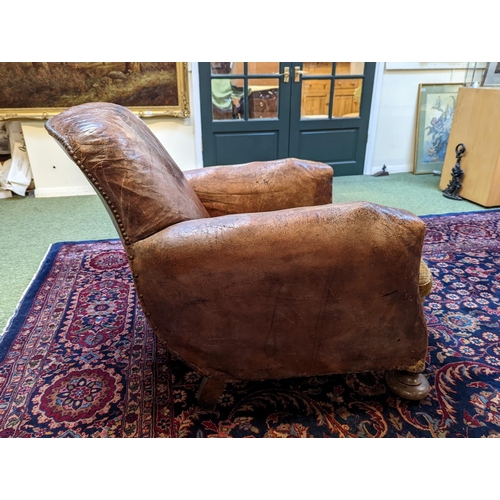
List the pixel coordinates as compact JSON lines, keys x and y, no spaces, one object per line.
{"x":250,"y":271}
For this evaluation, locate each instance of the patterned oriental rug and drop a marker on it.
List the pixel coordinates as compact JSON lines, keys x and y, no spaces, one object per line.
{"x":78,"y":358}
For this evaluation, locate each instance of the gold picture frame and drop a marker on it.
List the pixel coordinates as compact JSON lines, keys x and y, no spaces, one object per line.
{"x":435,"y":109}
{"x":39,"y":90}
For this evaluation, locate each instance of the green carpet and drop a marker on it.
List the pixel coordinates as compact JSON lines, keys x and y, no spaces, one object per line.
{"x":29,"y":225}
{"x":419,"y":194}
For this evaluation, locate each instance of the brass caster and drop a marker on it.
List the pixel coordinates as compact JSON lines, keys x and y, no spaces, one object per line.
{"x":407,"y":385}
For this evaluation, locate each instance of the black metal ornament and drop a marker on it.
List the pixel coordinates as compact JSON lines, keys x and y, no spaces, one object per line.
{"x":457,"y":175}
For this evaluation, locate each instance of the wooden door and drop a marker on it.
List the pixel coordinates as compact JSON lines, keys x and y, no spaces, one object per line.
{"x":329,"y":113}
{"x":244,"y":111}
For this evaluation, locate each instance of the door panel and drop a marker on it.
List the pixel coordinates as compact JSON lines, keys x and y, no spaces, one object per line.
{"x":244,"y":147}
{"x":269,"y":110}
{"x":332,"y":146}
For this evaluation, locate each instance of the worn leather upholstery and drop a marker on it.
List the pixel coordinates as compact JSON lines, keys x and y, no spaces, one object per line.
{"x":262,"y":186}
{"x":266,"y":288}
{"x":141,"y":184}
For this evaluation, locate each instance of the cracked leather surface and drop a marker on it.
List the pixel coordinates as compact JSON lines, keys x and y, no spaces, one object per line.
{"x":121,"y":156}
{"x":280,"y":291}
{"x":262,"y":186}
{"x":303,"y":291}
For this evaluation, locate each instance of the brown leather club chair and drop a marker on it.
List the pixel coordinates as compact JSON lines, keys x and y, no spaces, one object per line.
{"x":249,"y":272}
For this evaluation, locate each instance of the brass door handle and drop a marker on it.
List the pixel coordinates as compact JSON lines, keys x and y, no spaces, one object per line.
{"x":297,"y":72}
{"x":285,"y":74}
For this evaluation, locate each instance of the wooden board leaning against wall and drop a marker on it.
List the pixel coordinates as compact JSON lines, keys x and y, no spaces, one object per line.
{"x":476,"y":125}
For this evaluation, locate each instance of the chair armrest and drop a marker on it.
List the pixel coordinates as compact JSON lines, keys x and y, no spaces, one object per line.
{"x":306,"y":290}
{"x":262,"y":186}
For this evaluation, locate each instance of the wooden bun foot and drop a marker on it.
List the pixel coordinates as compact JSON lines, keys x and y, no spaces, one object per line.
{"x":407,"y":385}
{"x":209,"y":393}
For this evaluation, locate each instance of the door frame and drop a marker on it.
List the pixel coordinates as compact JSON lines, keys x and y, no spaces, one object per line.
{"x":373,"y":121}
{"x":372,"y":124}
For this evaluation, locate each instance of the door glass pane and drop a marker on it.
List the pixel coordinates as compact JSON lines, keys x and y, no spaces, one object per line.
{"x":350,"y":68}
{"x":347,"y":97}
{"x":238,"y":68}
{"x":227,"y":100}
{"x":317,"y":68}
{"x":263,"y":96}
{"x":263,"y":68}
{"x":315,"y":98}
{"x":224,"y":68}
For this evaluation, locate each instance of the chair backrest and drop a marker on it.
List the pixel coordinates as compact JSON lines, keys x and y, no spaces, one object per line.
{"x":144,"y":189}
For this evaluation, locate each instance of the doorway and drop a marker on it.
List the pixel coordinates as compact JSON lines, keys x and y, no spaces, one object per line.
{"x":268,"y":110}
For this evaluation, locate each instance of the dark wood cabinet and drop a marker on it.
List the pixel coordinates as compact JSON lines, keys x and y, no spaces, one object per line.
{"x":263,"y":104}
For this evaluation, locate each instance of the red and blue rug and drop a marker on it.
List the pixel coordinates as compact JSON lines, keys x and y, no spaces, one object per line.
{"x":78,"y":358}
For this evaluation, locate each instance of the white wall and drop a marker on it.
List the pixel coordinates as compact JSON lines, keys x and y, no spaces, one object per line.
{"x":56,"y":175}
{"x":397,"y":114}
{"x":391,"y":141}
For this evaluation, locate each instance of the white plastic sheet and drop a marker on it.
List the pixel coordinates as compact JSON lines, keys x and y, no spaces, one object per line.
{"x":4,"y":171}
{"x":15,"y":173}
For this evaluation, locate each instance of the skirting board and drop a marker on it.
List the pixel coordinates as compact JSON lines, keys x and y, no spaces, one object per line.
{"x":394,"y":169}
{"x":63,"y":191}
{"x":87,"y":190}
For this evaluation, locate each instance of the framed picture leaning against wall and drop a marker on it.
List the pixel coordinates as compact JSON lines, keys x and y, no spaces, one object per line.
{"x":435,"y":108}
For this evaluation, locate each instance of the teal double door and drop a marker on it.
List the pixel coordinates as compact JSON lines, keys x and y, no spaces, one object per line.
{"x":269,"y":110}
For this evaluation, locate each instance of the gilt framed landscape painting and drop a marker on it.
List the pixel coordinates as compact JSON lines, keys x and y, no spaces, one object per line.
{"x":435,"y":109}
{"x":38,"y":90}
